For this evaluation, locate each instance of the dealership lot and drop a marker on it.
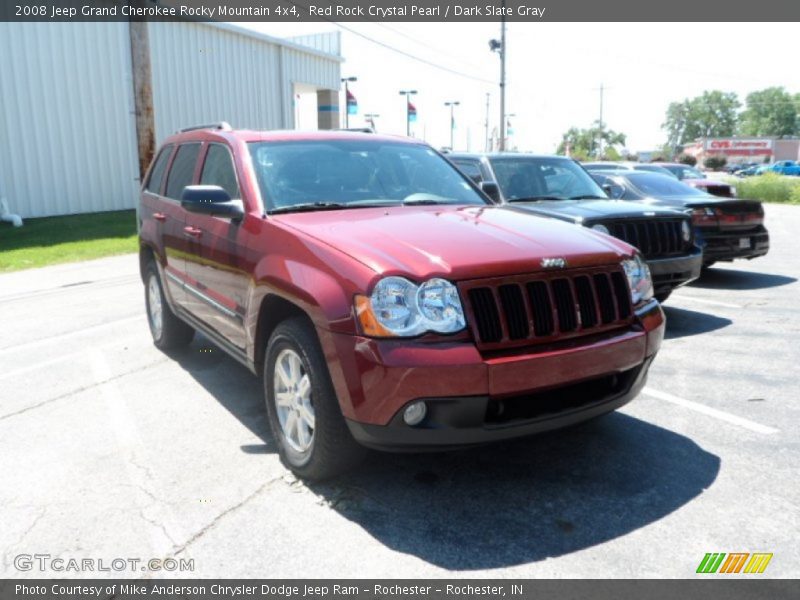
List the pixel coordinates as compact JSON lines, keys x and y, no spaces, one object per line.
{"x":112,"y":449}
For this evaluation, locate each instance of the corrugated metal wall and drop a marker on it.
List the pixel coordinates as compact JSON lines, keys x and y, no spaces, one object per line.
{"x":67,"y":140}
{"x":67,"y":133}
{"x":204,"y":74}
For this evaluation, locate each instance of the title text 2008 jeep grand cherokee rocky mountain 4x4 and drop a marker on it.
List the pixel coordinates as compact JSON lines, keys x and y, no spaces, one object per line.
{"x":382,"y":297}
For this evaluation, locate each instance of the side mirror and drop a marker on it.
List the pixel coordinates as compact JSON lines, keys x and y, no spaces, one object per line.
{"x":211,"y":200}
{"x":491,"y":189}
{"x":613,"y":190}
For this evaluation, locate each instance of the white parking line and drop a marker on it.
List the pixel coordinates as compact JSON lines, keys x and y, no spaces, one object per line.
{"x":68,"y":334}
{"x":704,"y":301}
{"x":711,"y":412}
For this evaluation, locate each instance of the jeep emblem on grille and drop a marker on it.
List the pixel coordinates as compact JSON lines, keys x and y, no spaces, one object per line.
{"x":554,"y":263}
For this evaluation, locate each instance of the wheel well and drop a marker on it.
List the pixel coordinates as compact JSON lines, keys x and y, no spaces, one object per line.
{"x":146,"y":254}
{"x":272,"y":312}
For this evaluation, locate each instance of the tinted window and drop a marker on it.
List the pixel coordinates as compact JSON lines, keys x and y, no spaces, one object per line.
{"x":470,"y":168}
{"x":157,"y":172}
{"x":521,"y":178}
{"x":180,"y":175}
{"x":356,"y":173}
{"x":653,"y":169}
{"x":218,"y":170}
{"x":652,"y":184}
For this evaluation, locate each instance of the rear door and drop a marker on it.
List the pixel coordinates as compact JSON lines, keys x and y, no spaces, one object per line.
{"x":177,"y":244}
{"x":218,"y":276}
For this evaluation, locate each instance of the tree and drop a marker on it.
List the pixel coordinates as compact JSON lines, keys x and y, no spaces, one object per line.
{"x":584,"y":143}
{"x":713,"y":114}
{"x":771,"y":111}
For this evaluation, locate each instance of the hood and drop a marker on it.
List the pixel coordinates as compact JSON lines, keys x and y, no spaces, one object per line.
{"x":685,"y":202}
{"x":593,"y":210}
{"x":458,"y":243}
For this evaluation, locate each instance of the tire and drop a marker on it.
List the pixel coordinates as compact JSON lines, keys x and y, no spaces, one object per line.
{"x":662,"y":297}
{"x":168,"y":331}
{"x":293,"y":356}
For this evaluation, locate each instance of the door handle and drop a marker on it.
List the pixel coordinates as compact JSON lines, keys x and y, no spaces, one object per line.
{"x":193,"y":231}
{"x":160,"y":217}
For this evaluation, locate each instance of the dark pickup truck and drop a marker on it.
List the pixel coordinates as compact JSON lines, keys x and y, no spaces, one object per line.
{"x":558,"y":187}
{"x":726,"y":228}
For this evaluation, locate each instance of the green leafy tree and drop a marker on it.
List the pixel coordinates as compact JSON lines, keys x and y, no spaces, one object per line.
{"x":713,"y":114}
{"x":585,"y":143}
{"x":771,"y":111}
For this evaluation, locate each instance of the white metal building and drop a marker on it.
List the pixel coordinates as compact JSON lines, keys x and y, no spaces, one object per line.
{"x":68,"y":134}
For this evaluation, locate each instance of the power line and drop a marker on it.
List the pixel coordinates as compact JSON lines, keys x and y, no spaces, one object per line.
{"x":419,"y":59}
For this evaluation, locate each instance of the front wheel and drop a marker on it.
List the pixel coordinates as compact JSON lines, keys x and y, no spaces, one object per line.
{"x":302,"y":407}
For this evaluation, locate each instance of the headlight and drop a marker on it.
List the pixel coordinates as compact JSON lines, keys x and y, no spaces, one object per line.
{"x":686,"y":231}
{"x":600,"y":228}
{"x":639,"y":279}
{"x":400,"y":308}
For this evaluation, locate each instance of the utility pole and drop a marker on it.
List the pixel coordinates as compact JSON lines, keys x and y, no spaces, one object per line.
{"x":499,"y":46}
{"x":503,"y":79}
{"x":486,"y":147}
{"x":452,"y":104}
{"x":142,"y":94}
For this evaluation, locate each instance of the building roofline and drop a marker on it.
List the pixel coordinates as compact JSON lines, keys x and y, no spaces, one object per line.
{"x":263,"y":37}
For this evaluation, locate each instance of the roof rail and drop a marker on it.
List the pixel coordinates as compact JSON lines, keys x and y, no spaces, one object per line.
{"x":222,"y":125}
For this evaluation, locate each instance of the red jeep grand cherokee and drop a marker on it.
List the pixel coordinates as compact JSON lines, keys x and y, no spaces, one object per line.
{"x":385,"y":302}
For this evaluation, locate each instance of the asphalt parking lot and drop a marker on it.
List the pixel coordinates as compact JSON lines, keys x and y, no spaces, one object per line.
{"x":112,"y":449}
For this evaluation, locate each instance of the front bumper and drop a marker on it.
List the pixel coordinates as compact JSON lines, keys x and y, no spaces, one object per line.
{"x":474,"y":399}
{"x":728,"y":245}
{"x":670,"y":273}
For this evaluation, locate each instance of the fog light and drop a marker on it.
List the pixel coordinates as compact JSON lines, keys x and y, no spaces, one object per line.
{"x":414,"y":413}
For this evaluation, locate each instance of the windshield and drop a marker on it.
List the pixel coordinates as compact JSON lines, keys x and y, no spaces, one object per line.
{"x":654,"y":169}
{"x":525,"y":178}
{"x":355,"y":173}
{"x":653,"y":184}
{"x":682,"y":172}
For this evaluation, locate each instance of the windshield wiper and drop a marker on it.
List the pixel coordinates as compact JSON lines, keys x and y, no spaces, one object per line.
{"x":312,"y":206}
{"x":587,"y":197}
{"x":535,"y":198}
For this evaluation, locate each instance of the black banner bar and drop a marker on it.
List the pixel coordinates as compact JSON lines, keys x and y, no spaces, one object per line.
{"x":532,"y":11}
{"x":703,"y":588}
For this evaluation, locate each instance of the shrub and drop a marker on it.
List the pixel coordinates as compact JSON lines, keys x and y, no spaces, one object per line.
{"x":769,"y":187}
{"x":687,"y":159}
{"x":715,"y":163}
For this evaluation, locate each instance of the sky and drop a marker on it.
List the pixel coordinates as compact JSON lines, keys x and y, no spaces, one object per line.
{"x":554,"y":72}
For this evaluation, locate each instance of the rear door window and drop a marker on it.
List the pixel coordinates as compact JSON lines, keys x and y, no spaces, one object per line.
{"x":180,"y":175}
{"x":157,"y":172}
{"x":218,"y":170}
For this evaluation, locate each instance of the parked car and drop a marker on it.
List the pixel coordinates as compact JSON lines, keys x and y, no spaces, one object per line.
{"x":624,"y":165}
{"x":749,"y":171}
{"x":782,"y":167}
{"x":726,"y":228}
{"x":734,"y":168}
{"x":382,"y":298}
{"x":557,"y":187}
{"x":697,"y":179}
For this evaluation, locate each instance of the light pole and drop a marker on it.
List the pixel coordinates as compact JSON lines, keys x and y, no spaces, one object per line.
{"x":407,"y":94}
{"x":370,"y":118}
{"x":347,"y":80}
{"x":452,"y":104}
